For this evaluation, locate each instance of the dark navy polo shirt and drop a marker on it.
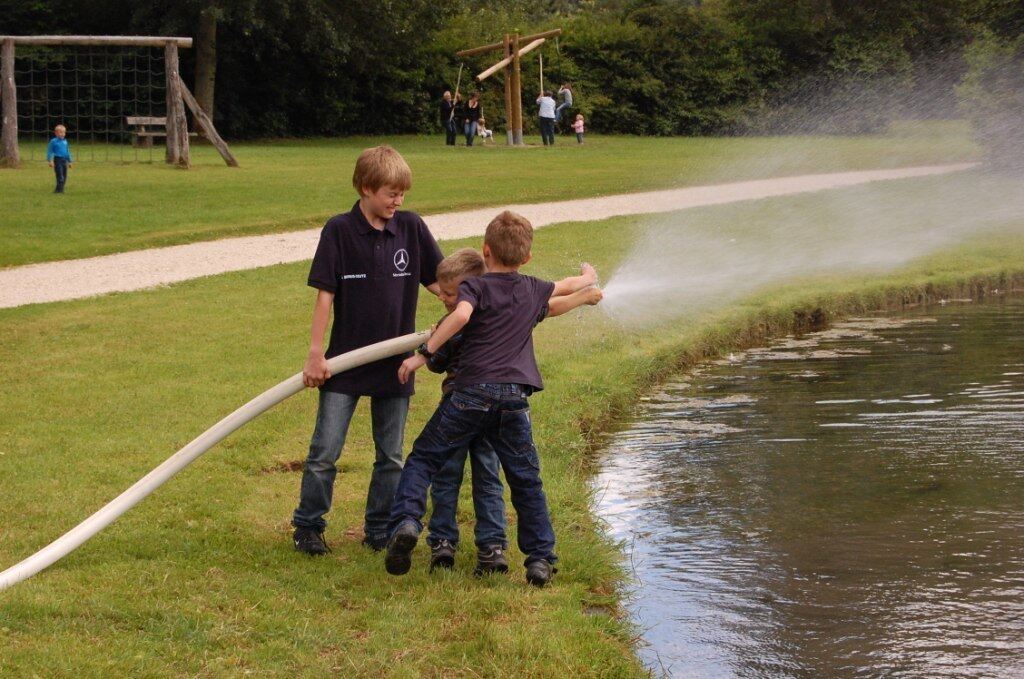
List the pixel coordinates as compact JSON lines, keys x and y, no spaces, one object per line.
{"x":375,"y":277}
{"x":497,"y":342}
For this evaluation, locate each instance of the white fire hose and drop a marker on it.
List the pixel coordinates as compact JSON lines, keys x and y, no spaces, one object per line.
{"x":75,"y":537}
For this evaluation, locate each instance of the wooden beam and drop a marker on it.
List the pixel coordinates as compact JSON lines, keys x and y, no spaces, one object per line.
{"x":517,"y":95}
{"x":126,"y":40}
{"x":206,"y":125}
{"x":508,"y":91}
{"x":498,"y":45}
{"x":508,"y":60}
{"x":177,"y":126}
{"x":9,"y":94}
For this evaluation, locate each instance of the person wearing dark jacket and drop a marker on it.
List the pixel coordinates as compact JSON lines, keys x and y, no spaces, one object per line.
{"x":472,"y":119}
{"x":448,"y":118}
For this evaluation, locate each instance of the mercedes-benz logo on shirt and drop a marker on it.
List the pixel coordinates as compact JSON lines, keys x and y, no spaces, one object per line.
{"x":401,"y":259}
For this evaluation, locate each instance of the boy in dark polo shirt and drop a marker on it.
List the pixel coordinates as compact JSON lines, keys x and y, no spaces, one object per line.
{"x":497,"y":372}
{"x":368,"y":267}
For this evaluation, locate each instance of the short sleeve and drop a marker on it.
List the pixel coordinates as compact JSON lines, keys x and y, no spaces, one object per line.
{"x":324,"y":272}
{"x":430,"y":254}
{"x":469,"y":291}
{"x":544,"y":290}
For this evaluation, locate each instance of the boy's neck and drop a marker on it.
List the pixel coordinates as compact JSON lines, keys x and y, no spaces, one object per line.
{"x":375,"y":221}
{"x":501,"y":268}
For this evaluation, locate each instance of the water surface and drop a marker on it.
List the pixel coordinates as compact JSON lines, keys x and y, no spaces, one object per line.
{"x":846,"y":503}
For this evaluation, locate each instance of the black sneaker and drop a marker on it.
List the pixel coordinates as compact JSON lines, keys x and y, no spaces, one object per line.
{"x":376,"y":544}
{"x":442,"y":555}
{"x":540,"y":572}
{"x":491,"y":560}
{"x":310,"y":541}
{"x":398,"y":560}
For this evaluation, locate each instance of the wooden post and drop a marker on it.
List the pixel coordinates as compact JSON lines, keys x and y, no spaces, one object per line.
{"x":8,"y":92}
{"x":508,"y":92}
{"x":204,"y":123}
{"x":177,"y":124}
{"x":517,"y":94}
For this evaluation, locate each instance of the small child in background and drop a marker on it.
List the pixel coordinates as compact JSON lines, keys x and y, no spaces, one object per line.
{"x":58,"y":155}
{"x":577,"y":125}
{"x":483,"y":132}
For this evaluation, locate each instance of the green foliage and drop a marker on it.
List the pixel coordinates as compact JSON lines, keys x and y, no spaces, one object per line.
{"x":992,"y":96}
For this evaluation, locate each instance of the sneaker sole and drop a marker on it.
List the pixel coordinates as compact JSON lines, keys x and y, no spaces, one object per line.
{"x":399,"y":557}
{"x":445,"y":562}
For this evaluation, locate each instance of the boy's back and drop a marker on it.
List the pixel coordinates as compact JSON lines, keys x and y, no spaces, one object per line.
{"x":497,"y":342}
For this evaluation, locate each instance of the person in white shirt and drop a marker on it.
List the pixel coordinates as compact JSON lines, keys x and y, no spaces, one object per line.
{"x":546,"y":117}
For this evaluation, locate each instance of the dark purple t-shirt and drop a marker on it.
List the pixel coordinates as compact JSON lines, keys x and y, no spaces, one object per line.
{"x":375,"y":277}
{"x":497,"y":342}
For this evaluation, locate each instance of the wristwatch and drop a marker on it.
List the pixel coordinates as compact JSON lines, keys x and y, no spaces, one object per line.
{"x":426,"y":353}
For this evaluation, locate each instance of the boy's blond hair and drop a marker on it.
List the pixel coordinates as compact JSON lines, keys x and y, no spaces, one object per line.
{"x":59,"y":126}
{"x":509,"y":237}
{"x":381,"y":166}
{"x":464,"y":263}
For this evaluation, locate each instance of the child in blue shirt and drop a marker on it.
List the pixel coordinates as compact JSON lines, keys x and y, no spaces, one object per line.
{"x":58,"y":155}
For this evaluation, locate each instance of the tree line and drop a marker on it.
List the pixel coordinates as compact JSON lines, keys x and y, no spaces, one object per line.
{"x":270,"y":68}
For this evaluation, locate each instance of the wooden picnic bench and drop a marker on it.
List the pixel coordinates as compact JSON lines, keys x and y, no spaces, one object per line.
{"x":143,"y":138}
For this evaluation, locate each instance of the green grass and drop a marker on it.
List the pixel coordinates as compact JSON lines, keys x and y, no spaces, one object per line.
{"x":290,"y":185}
{"x":200,"y":579}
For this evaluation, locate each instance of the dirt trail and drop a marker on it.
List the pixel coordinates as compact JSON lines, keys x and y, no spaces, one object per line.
{"x":74,"y":279}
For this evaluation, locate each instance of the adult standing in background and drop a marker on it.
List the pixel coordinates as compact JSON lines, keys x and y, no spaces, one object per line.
{"x":546,"y":118}
{"x":566,"y":93}
{"x":473,"y":113}
{"x":448,"y":118}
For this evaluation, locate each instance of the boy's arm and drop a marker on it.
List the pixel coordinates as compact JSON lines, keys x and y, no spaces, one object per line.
{"x":567,"y":286}
{"x":447,"y":329}
{"x":565,"y":303}
{"x":315,"y":371}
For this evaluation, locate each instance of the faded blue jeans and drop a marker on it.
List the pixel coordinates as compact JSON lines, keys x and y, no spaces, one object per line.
{"x":332,"y":419}
{"x":500,"y":414}
{"x":488,"y":500}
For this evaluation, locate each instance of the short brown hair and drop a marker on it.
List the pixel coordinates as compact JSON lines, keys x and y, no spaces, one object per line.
{"x":464,"y":263}
{"x":381,"y":166}
{"x":510,"y":237}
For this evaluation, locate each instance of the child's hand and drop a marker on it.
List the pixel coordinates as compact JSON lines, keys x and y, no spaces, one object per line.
{"x":315,"y":372}
{"x":51,"y":163}
{"x":409,"y":366}
{"x":592,"y":295}
{"x":589,"y":273}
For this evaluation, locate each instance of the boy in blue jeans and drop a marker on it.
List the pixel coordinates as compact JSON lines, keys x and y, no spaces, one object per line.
{"x":58,"y":155}
{"x":368,"y":267}
{"x":497,"y":373}
{"x":488,"y":500}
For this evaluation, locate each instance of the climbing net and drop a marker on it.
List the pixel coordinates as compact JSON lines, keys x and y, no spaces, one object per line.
{"x":91,"y":91}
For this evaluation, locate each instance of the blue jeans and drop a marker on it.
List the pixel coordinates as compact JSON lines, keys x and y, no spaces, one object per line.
{"x":547,"y":130}
{"x":488,"y":500}
{"x":449,"y":132}
{"x":60,"y":168}
{"x":470,"y":129}
{"x":332,"y":420}
{"x":558,"y":110}
{"x":500,"y":414}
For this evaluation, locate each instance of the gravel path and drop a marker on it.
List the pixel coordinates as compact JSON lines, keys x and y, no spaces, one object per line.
{"x":77,"y":278}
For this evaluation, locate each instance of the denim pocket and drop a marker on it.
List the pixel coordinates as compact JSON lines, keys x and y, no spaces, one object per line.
{"x":462,"y":416}
{"x":516,"y":432}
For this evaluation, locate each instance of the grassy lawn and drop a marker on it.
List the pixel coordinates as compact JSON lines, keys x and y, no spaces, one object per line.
{"x":290,"y":185}
{"x":201,"y":579}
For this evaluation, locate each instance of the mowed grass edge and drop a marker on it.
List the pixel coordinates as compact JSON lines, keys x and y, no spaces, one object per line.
{"x":200,"y":579}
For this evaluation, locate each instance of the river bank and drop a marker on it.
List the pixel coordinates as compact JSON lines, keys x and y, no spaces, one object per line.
{"x":100,"y":391}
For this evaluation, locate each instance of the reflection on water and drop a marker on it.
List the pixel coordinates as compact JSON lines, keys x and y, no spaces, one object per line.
{"x":848,"y":503}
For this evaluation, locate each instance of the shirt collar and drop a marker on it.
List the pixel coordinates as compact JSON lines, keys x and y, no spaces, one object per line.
{"x":365,"y":226}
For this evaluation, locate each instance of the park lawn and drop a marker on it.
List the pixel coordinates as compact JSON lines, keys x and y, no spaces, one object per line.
{"x":201,"y":578}
{"x":289,"y":185}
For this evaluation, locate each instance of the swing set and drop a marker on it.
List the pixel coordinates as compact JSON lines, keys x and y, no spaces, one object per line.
{"x":514,"y":47}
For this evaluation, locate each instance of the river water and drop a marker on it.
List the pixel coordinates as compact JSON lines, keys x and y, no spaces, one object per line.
{"x":845,"y":503}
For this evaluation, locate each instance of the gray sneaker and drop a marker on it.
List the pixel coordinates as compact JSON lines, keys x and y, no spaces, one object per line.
{"x":310,"y":541}
{"x":491,"y":560}
{"x":540,"y":572}
{"x":442,"y":555}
